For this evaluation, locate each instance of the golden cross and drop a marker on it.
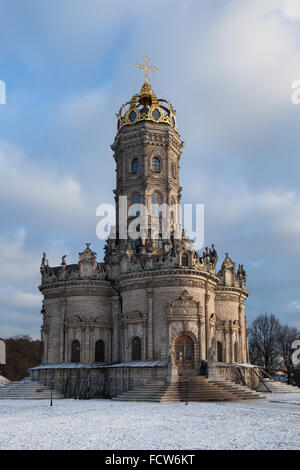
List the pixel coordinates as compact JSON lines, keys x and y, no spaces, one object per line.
{"x":146,"y":68}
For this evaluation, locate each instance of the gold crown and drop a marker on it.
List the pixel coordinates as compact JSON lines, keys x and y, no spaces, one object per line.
{"x":145,"y":106}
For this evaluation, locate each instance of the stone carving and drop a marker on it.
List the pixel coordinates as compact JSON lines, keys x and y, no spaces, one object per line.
{"x":74,"y":319}
{"x":184,"y":306}
{"x":211,"y":356}
{"x":135,"y":315}
{"x":87,"y":268}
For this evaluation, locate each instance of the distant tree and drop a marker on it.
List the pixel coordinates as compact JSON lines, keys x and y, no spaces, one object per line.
{"x":22,"y":352}
{"x":288,"y":335}
{"x":264,"y":342}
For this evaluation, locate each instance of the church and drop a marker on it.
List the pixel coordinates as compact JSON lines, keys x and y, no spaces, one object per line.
{"x":154,"y":308}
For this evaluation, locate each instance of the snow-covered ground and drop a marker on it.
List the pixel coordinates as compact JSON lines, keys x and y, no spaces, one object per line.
{"x":273,"y":423}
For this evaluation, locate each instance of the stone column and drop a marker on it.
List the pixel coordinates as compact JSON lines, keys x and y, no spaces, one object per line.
{"x":145,"y":342}
{"x":45,"y":344}
{"x":243,"y":333}
{"x":201,"y":333}
{"x":66,"y":357}
{"x":227,"y":342}
{"x":125,"y":350}
{"x":246,"y":342}
{"x":231,"y":344}
{"x":115,"y":310}
{"x":91,"y":344}
{"x":207,"y":325}
{"x":82,"y":344}
{"x":62,"y":344}
{"x":149,"y":334}
{"x":169,"y":320}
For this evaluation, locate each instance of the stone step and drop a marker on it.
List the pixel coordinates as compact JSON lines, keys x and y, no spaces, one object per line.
{"x":27,"y":390}
{"x":241,"y":391}
{"x":198,"y":388}
{"x":276,"y":387}
{"x":32,"y":397}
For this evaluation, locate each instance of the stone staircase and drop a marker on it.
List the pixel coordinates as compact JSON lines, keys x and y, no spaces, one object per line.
{"x":276,"y":387}
{"x":197,"y":389}
{"x":242,"y":391}
{"x":27,"y":390}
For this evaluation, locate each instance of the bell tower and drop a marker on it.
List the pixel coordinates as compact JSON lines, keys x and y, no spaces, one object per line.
{"x":147,"y":151}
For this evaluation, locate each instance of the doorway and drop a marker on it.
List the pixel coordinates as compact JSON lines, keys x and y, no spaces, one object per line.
{"x":184,"y":351}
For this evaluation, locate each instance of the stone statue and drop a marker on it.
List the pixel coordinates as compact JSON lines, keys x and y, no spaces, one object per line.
{"x":211,"y":356}
{"x":211,"y":363}
{"x":213,"y":254}
{"x":171,"y":358}
{"x":44,"y":259}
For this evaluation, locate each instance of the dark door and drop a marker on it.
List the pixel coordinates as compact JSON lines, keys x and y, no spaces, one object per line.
{"x":136,"y":349}
{"x":99,"y":351}
{"x":75,"y":356}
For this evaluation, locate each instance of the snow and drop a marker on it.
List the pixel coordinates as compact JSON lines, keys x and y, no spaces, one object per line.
{"x":3,"y":380}
{"x":93,"y":365}
{"x":273,"y":423}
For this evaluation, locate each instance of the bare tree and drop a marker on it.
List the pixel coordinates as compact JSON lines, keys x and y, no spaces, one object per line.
{"x":264,"y":342}
{"x":22,"y":352}
{"x":288,"y":335}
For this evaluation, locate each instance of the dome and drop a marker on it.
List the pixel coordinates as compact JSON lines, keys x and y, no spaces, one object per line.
{"x":145,"y":106}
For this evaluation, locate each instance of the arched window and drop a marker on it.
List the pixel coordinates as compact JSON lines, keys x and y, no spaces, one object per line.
{"x":75,"y":353}
{"x":219,"y":351}
{"x":155,"y":165}
{"x":156,"y":201}
{"x":99,"y":351}
{"x":135,"y":165}
{"x":184,"y":259}
{"x":136,"y":349}
{"x":136,"y":199}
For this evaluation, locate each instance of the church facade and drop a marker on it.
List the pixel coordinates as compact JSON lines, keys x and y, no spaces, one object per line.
{"x":152,"y":302}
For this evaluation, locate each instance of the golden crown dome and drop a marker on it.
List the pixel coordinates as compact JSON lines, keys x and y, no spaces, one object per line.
{"x":145,"y":106}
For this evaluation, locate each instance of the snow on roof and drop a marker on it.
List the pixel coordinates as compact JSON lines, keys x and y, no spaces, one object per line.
{"x":95,"y":365}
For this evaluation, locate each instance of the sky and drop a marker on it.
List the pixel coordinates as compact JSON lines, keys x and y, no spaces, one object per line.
{"x":227,"y":66}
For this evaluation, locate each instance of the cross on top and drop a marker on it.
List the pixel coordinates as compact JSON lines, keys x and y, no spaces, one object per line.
{"x":146,"y":68}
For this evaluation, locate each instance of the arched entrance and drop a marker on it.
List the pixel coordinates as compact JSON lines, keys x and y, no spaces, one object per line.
{"x":75,"y":351}
{"x":184,"y":351}
{"x":99,"y":351}
{"x":136,"y":349}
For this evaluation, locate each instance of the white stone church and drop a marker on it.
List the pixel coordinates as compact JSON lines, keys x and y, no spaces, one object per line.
{"x":154,"y":308}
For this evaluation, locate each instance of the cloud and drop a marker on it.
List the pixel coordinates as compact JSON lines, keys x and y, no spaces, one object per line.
{"x":290,"y":9}
{"x":226,"y":66}
{"x":18,"y":298}
{"x":38,"y":196}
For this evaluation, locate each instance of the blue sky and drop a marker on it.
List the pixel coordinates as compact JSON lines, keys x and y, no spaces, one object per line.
{"x":227,"y":67}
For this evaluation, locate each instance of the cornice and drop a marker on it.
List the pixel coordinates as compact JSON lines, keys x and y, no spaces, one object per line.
{"x":61,"y":285}
{"x":231,"y":290}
